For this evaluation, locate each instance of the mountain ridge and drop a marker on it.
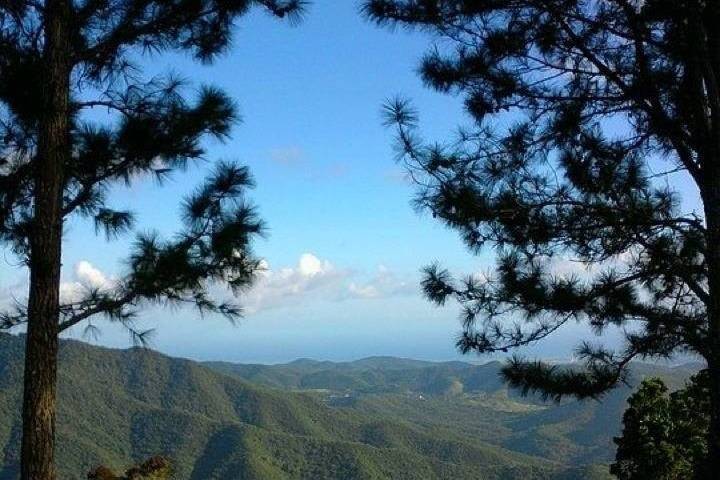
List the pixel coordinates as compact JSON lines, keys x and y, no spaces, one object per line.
{"x":120,"y":406}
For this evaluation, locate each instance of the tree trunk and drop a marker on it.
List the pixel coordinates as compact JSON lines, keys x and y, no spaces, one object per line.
{"x":711,"y":199}
{"x":41,"y":347}
{"x":713,"y":463}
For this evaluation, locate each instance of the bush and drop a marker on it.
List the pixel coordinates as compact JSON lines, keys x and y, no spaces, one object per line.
{"x":156,"y":468}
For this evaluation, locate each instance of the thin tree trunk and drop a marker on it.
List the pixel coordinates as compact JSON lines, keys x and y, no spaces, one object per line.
{"x":712,"y":466}
{"x":711,"y":199}
{"x":41,"y":350}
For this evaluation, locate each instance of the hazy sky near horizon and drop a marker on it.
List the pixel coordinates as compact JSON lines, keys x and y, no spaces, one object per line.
{"x":345,"y":247}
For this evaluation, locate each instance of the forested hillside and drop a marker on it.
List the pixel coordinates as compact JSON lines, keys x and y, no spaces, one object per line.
{"x":373,"y":419}
{"x":459,"y":397}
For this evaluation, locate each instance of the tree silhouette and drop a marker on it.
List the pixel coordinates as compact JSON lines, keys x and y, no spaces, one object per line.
{"x":587,"y":117}
{"x":58,"y":60}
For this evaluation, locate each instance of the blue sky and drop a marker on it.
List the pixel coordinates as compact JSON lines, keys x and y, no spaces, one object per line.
{"x":344,"y":246}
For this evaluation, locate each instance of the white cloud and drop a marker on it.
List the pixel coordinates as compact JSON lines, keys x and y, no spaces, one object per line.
{"x":90,"y":276}
{"x":363,"y":291}
{"x":310,"y":279}
{"x":85,"y":277}
{"x":383,"y":284}
{"x":286,"y":286}
{"x":310,"y":266}
{"x":313,"y":278}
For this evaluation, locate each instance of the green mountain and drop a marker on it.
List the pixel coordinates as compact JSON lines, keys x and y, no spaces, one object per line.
{"x":370,"y":419}
{"x":398,"y":375}
{"x":461,"y":398}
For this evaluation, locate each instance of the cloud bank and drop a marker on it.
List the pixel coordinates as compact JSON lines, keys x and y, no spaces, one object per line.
{"x":313,"y":278}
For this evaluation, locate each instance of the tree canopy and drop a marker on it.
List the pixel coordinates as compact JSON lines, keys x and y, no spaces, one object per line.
{"x":153,"y":126}
{"x":664,"y":435}
{"x":59,"y":59}
{"x":585,"y":116}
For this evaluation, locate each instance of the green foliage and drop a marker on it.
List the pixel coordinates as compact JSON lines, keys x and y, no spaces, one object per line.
{"x":664,"y":436}
{"x":155,"y":468}
{"x":572,"y":433}
{"x":152,"y":128}
{"x":117,"y":408}
{"x":582,"y":116}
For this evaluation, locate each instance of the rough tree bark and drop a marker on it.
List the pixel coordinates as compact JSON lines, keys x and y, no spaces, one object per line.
{"x":707,"y":135}
{"x":710,"y":191}
{"x":37,"y":462}
{"x":711,"y":201}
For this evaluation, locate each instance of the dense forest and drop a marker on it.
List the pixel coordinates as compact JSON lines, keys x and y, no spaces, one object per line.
{"x":373,"y":418}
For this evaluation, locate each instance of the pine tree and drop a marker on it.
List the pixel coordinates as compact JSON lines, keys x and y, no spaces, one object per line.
{"x":58,"y":60}
{"x":664,"y":436}
{"x":586,"y":118}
